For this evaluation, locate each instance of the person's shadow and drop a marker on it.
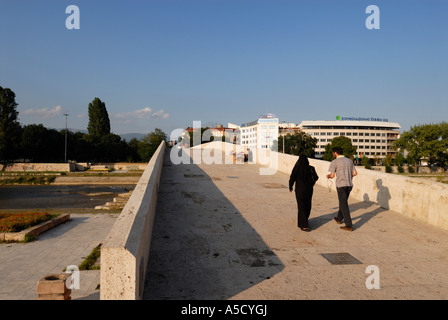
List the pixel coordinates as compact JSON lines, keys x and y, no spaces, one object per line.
{"x":382,"y":199}
{"x":383,"y":196}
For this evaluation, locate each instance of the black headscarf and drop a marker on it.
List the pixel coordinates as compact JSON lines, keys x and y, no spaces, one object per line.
{"x":303,"y":167}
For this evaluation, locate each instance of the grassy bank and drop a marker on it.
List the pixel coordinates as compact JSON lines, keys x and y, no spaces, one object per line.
{"x":46,"y":178}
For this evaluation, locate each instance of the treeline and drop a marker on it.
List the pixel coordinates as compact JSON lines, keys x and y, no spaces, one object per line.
{"x":35,"y":143}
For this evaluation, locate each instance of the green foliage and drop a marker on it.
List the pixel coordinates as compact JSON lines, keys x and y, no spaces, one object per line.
{"x":366,"y":162}
{"x":39,"y":144}
{"x":388,"y":160}
{"x":89,"y":261}
{"x":35,"y":143}
{"x":99,"y":123}
{"x":149,"y":144}
{"x":427,"y":142}
{"x":399,"y":159}
{"x":33,"y":180}
{"x":10,"y":128}
{"x":343,"y":142}
{"x":296,"y":144}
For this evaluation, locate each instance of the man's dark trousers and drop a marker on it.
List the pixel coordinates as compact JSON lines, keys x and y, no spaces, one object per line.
{"x":344,"y":211}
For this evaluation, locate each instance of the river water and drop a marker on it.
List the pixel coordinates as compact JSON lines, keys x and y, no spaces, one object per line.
{"x":72,"y":196}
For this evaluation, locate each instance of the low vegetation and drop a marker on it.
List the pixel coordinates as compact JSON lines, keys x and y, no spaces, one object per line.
{"x":20,"y":221}
{"x":31,"y":179}
{"x":90,"y":262}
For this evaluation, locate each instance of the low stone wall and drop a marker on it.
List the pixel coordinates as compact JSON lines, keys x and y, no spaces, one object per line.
{"x":37,"y":167}
{"x":109,"y":179}
{"x":70,"y":167}
{"x":35,"y":230}
{"x":125,"y":252}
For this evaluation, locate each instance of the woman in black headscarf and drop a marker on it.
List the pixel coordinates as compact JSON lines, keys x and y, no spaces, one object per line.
{"x":304,"y":176}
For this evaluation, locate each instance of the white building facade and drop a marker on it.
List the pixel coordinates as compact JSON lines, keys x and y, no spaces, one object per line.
{"x":259,"y":134}
{"x":371,"y":138}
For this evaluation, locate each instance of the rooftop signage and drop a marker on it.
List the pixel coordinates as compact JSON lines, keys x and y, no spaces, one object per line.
{"x":269,"y":115}
{"x":340,"y":118}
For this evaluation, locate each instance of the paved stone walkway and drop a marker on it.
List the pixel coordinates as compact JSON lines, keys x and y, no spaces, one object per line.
{"x":226,"y":232}
{"x":23,"y":264}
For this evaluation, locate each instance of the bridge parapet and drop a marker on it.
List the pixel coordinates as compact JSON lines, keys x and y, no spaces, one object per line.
{"x":425,"y":201}
{"x":125,"y":252}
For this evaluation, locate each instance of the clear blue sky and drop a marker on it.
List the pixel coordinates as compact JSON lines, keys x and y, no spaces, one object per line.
{"x":166,"y":63}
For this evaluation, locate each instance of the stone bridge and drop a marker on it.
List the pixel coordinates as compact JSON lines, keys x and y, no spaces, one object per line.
{"x":224,"y":231}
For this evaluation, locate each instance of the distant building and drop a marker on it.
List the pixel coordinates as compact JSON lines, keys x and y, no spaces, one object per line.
{"x":285,"y":128}
{"x":258,"y":134}
{"x":371,"y":138}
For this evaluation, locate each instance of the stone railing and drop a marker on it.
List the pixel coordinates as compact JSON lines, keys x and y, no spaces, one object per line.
{"x":125,"y":252}
{"x":417,"y":198}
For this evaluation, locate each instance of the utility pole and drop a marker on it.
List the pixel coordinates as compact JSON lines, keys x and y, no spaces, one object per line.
{"x":66,"y":115}
{"x":283,"y":143}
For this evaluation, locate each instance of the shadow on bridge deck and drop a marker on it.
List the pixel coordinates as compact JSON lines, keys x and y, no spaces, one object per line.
{"x":226,"y":232}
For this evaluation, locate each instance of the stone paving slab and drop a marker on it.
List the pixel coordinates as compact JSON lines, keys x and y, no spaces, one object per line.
{"x":226,"y":232}
{"x":23,"y":264}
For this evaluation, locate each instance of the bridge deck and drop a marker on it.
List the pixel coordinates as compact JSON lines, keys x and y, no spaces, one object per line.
{"x":226,"y":232}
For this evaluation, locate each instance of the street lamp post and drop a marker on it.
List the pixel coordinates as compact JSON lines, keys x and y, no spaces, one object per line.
{"x":66,"y":115}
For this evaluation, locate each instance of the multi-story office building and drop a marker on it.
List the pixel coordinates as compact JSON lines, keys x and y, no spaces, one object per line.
{"x":372,"y":138}
{"x":258,"y":134}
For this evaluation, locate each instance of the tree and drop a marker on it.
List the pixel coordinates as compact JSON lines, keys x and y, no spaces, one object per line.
{"x":99,"y":123}
{"x":149,"y":144}
{"x":133,"y":155}
{"x":296,"y":144}
{"x":343,"y":142}
{"x":34,"y":142}
{"x":399,"y":159}
{"x":427,"y":142}
{"x":366,"y":162}
{"x":10,"y":129}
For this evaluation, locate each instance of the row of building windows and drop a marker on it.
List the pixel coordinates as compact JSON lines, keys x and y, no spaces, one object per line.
{"x":322,"y":146}
{"x":363,"y":153}
{"x":346,"y":128}
{"x":357,"y":140}
{"x":351,"y":134}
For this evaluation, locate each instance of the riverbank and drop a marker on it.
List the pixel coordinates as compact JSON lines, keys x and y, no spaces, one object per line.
{"x":59,"y":197}
{"x":81,"y":178}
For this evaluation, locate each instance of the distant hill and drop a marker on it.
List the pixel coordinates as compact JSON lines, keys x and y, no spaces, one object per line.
{"x":129,"y":136}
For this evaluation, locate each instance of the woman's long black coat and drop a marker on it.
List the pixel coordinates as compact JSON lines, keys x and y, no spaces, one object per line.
{"x":301,"y":176}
